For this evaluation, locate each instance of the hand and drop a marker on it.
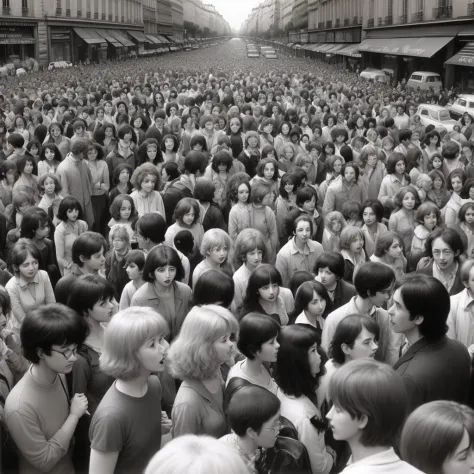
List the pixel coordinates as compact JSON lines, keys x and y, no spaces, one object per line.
{"x":166,"y":423}
{"x":79,"y":405}
{"x":97,"y":185}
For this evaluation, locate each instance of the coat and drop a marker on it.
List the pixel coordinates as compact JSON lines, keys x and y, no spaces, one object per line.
{"x":339,"y":192}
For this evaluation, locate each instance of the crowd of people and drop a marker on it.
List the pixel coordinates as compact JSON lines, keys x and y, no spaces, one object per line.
{"x":274,"y":265}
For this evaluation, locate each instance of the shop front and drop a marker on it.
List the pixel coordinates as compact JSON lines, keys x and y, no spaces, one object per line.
{"x":17,"y":41}
{"x":90,"y":46}
{"x":61,"y":44}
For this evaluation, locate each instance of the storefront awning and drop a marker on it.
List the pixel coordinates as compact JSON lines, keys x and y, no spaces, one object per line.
{"x":110,"y":39}
{"x":324,"y":47}
{"x":418,"y":47}
{"x":120,"y":37}
{"x":335,"y":47}
{"x":163,"y":39}
{"x":465,"y":57}
{"x":139,"y":36}
{"x":89,"y":36}
{"x":153,"y":39}
{"x":314,"y":47}
{"x":351,"y":50}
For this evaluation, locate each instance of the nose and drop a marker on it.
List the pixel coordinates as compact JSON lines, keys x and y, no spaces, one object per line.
{"x":374,"y":345}
{"x":329,"y":413}
{"x":391,"y":310}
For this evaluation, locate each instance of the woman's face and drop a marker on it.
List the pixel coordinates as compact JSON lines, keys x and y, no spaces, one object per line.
{"x":350,"y":174}
{"x":49,"y":154}
{"x":270,"y":292}
{"x":469,"y":216}
{"x":137,"y":123}
{"x":218,"y":255}
{"x":395,"y":250}
{"x":49,"y":186}
{"x":433,"y":140}
{"x":364,"y":345}
{"x":152,"y":354}
{"x":316,"y":306}
{"x":148,"y":183}
{"x":285,"y":129}
{"x":369,"y":216}
{"x":437,"y":183}
{"x":92,"y":154}
{"x":314,"y":360}
{"x":269,"y":171}
{"x":28,"y":168}
{"x":29,"y":267}
{"x":254,"y":258}
{"x":169,"y":144}
{"x":400,"y":167}
{"x":302,"y":232}
{"x":408,"y":202}
{"x":309,"y":206}
{"x":124,"y":176}
{"x":357,"y":245}
{"x":372,"y":160}
{"x":189,"y":217}
{"x":164,"y":276}
{"x":125,"y":210}
{"x":442,"y":253}
{"x":328,"y":149}
{"x":337,"y":166}
{"x":437,"y":163}
{"x":55,"y":131}
{"x":269,"y":350}
{"x":330,"y":122}
{"x":456,"y":184}
{"x":224,"y":348}
{"x":253,"y":142}
{"x":243,"y":193}
{"x":462,"y":460}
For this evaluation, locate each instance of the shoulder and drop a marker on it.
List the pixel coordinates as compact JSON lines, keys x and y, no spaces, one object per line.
{"x":184,"y":289}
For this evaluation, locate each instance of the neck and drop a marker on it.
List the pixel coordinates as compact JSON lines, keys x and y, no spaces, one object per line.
{"x":139,"y":281}
{"x":95,"y":329}
{"x":360,"y":452}
{"x":136,"y":387}
{"x":363,"y":305}
{"x":87,"y":270}
{"x":247,"y":445}
{"x":311,"y":318}
{"x":43,"y":374}
{"x":413,"y":335}
{"x":213,"y":264}
{"x":250,"y":267}
{"x":253,"y":367}
{"x":161,"y":289}
{"x":299,"y":245}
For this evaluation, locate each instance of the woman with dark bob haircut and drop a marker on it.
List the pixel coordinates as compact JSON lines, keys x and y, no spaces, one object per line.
{"x":214,"y":287}
{"x":438,"y":438}
{"x":299,"y":368}
{"x":163,"y":292}
{"x":213,"y":218}
{"x":445,"y":250}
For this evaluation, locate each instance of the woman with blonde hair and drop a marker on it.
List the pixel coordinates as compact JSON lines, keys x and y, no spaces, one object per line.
{"x":192,"y":454}
{"x":206,"y":340}
{"x":127,"y":426}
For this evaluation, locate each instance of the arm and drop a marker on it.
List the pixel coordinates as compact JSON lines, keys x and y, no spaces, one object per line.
{"x":329,"y":201}
{"x":450,"y":218}
{"x":103,"y":462}
{"x":125,"y":300}
{"x":48,"y":290}
{"x":392,"y":223}
{"x":81,"y":373}
{"x":62,"y":176}
{"x":321,"y":461}
{"x":105,"y":181}
{"x":272,"y":228}
{"x":160,"y":205}
{"x":185,"y":420}
{"x":233,"y":225}
{"x":282,"y":267}
{"x":59,"y":242}
{"x":17,"y":308}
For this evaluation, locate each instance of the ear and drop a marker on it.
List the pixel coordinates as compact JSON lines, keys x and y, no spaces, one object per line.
{"x":40,"y":353}
{"x":251,"y":433}
{"x":419,"y":319}
{"x":82,"y":258}
{"x":345,"y":348}
{"x":363,"y":420}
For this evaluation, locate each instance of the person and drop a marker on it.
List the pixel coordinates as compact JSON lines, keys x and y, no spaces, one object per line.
{"x":206,"y":341}
{"x":299,"y":367}
{"x":301,"y":252}
{"x":437,"y":437}
{"x":115,"y":272}
{"x":254,"y":416}
{"x":75,"y":178}
{"x":127,"y":426}
{"x":162,"y":291}
{"x":311,"y":303}
{"x":389,"y":251}
{"x":373,"y":283}
{"x":329,"y":270}
{"x":88,"y":256}
{"x":402,"y":221}
{"x":191,"y":454}
{"x":146,"y":182}
{"x":214,"y":287}
{"x":257,"y":341}
{"x":432,"y":366}
{"x":134,"y":264}
{"x":369,"y":407}
{"x":29,"y":287}
{"x":39,"y":414}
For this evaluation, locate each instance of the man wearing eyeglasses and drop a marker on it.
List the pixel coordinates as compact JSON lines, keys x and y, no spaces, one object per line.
{"x":39,"y":414}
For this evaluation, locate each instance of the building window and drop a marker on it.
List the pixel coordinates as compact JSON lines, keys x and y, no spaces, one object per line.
{"x":390,"y":8}
{"x":24,"y":4}
{"x":6,"y":3}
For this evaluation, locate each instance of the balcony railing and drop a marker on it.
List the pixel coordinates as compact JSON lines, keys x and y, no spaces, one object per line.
{"x":380,"y":21}
{"x":338,"y":23}
{"x":416,"y":17}
{"x":110,"y":16}
{"x":470,"y":9}
{"x":79,"y":13}
{"x":403,"y":19}
{"x":25,"y":11}
{"x":68,"y":12}
{"x":442,"y":12}
{"x":320,"y":25}
{"x":88,"y":14}
{"x":389,"y":20}
{"x":346,"y":21}
{"x":96,"y":16}
{"x":329,"y":24}
{"x":59,"y":11}
{"x":370,"y":23}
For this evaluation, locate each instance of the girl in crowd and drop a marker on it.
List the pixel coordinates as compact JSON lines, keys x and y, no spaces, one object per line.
{"x":285,"y":202}
{"x":312,"y":303}
{"x":50,"y":187}
{"x":49,"y":159}
{"x":456,"y":180}
{"x":352,"y":249}
{"x":122,"y":211}
{"x":403,"y":221}
{"x":299,"y":368}
{"x":67,"y":231}
{"x":28,"y":180}
{"x":56,"y":136}
{"x":372,"y":214}
{"x":115,"y":271}
{"x":263,"y":294}
{"x":466,"y":227}
{"x":134,"y":347}
{"x":150,"y":152}
{"x":121,"y":181}
{"x":134,"y":264}
{"x":218,"y":172}
{"x":389,"y":251}
{"x":267,"y":172}
{"x":334,"y":223}
{"x":438,"y":194}
{"x":162,"y":291}
{"x":146,"y":182}
{"x":210,"y":215}
{"x":393,"y":182}
{"x":258,"y":343}
{"x":8,"y":176}
{"x":206,"y":340}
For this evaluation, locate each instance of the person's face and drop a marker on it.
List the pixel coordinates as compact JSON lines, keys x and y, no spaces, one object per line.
{"x":269,"y":171}
{"x":360,"y":122}
{"x":343,"y":426}
{"x":309,"y":206}
{"x":330,"y":122}
{"x":72,"y":215}
{"x":357,"y":245}
{"x":314,"y":360}
{"x":285,"y":129}
{"x":197,"y":147}
{"x":152,"y":151}
{"x":133,"y":272}
{"x":253,"y":142}
{"x":337,"y":166}
{"x":164,"y":276}
{"x":430,"y":221}
{"x":433,"y":140}
{"x":269,"y":350}
{"x":159,"y":122}
{"x":34,"y":150}
{"x":316,"y":306}
{"x":102,"y":311}
{"x":92,"y":154}
{"x":442,"y":253}
{"x":350,"y":174}
{"x":152,"y":354}
{"x":268,"y":199}
{"x":28,"y":168}
{"x":61,"y":358}
{"x":108,"y":108}
{"x":269,"y":292}
{"x":289,"y":187}
{"x":79,"y":130}
{"x":400,"y":320}
{"x":400,"y":167}
{"x":364,"y":345}
{"x":29,"y":267}
{"x":42,"y":232}
{"x":437,"y":164}
{"x":369,"y":216}
{"x":218,"y":255}
{"x":118,"y":244}
{"x":234,"y":125}
{"x":408,"y":202}
{"x":327,"y":277}
{"x":209,"y":126}
{"x":456,"y":184}
{"x":462,"y":460}
{"x":395,"y":250}
{"x":49,"y":186}
{"x":109,"y":132}
{"x":169,"y":144}
{"x":189,"y":217}
{"x":289,"y":153}
{"x":97,"y":260}
{"x":49,"y":154}
{"x":372,"y":136}
{"x":148,"y":183}
{"x":254,"y":258}
{"x":267,"y":435}
{"x":224,"y":348}
{"x":469,"y":216}
{"x":302,"y":232}
{"x":243,"y":193}
{"x":124,"y":176}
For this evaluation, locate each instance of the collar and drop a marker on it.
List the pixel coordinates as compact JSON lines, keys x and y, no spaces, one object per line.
{"x":380,"y":459}
{"x":353,"y":309}
{"x":73,"y":159}
{"x":199,"y":387}
{"x":23,"y":284}
{"x":467,"y":299}
{"x":310,"y":247}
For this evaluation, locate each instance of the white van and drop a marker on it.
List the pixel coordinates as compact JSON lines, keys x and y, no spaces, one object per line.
{"x":425,"y":80}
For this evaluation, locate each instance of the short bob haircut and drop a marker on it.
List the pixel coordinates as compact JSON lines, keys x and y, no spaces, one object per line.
{"x":87,"y":291}
{"x":255,"y":330}
{"x":44,"y":177}
{"x":293,"y":374}
{"x":204,"y":190}
{"x":52,"y":147}
{"x":141,"y":172}
{"x":450,"y":237}
{"x":286,"y":179}
{"x":248,"y":240}
{"x":464,"y":209}
{"x":117,"y":204}
{"x":264,"y":162}
{"x":372,"y":277}
{"x":33,"y":219}
{"x":126,"y":332}
{"x":372,"y":390}
{"x":250,"y":407}
{"x":191,"y":454}
{"x":393,"y":159}
{"x":426,"y":209}
{"x":347,"y":331}
{"x":152,"y":226}
{"x":170,"y":136}
{"x":384,"y":241}
{"x":304,"y":194}
{"x":69,"y":203}
{"x":183,"y":207}
{"x":20,"y":253}
{"x":215,"y":239}
{"x":261,"y":276}
{"x":304,"y":296}
{"x":260,"y":189}
{"x":214,"y":287}
{"x":86,"y":245}
{"x":332,"y":260}
{"x":349,"y":234}
{"x":49,"y":325}
{"x":24,"y":160}
{"x":433,"y":432}
{"x":136,"y":257}
{"x":222,"y":158}
{"x":403,"y":192}
{"x":375,"y":205}
{"x":425,"y":296}
{"x":233,"y":184}
{"x":192,"y":354}
{"x":297,"y":279}
{"x":457,"y":173}
{"x":160,"y":256}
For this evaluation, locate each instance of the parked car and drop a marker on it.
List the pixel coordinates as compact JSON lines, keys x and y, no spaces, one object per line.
{"x":59,"y":65}
{"x":464,"y":103}
{"x":376,"y":75}
{"x":270,"y":53}
{"x":436,"y":115}
{"x":425,"y":80}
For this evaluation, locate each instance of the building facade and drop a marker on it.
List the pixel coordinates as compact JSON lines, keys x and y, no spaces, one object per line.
{"x":201,"y":19}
